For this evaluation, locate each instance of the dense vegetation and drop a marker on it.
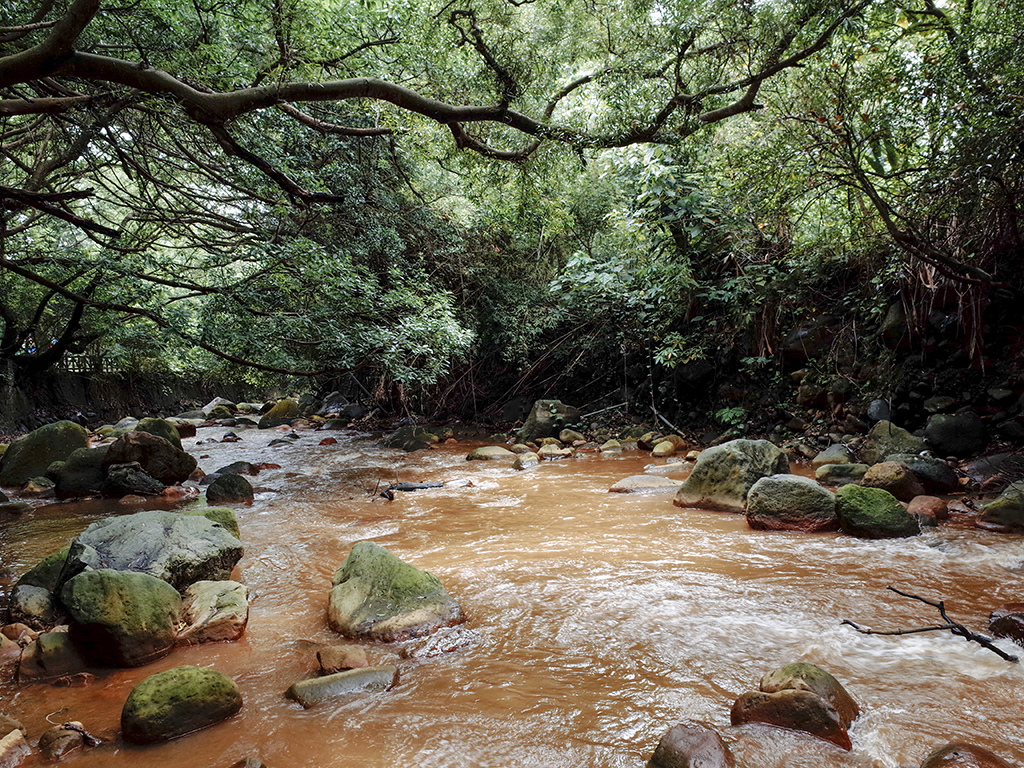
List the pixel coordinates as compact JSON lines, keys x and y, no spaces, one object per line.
{"x":450,"y":205}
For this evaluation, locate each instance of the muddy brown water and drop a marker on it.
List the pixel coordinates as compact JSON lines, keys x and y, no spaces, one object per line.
{"x":606,"y":619}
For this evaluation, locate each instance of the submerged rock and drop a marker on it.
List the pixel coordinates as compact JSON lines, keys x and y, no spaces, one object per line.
{"x":527,"y":460}
{"x":179,"y":701}
{"x":871,"y":513}
{"x":725,"y":474}
{"x":957,"y":754}
{"x":790,"y":503}
{"x":1008,"y":621}
{"x":31,"y":455}
{"x":316,"y":689}
{"x":489,"y":453}
{"x":376,"y":596}
{"x":691,"y":745}
{"x":121,"y":618}
{"x":645,"y":484}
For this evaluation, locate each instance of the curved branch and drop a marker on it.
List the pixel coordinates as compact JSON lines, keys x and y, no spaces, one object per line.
{"x":41,"y":60}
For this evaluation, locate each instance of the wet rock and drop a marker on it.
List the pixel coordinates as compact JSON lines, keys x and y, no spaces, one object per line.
{"x":674,"y":466}
{"x":962,"y":434}
{"x":553,"y":452}
{"x":337,"y":658}
{"x":228,"y":489}
{"x":10,"y":653}
{"x":960,"y":755}
{"x":121,"y":618}
{"x":214,"y":611}
{"x":611,"y":445}
{"x":51,"y":656}
{"x":410,"y":438}
{"x":725,"y":473}
{"x":223,"y":516}
{"x":691,"y":745}
{"x":179,"y":549}
{"x":1008,"y":621}
{"x":790,"y":503}
{"x":15,"y":508}
{"x":834,"y":454}
{"x":935,"y":474}
{"x":840,"y":474}
{"x":283,"y":412}
{"x":793,"y":709}
{"x":59,"y":741}
{"x":328,"y":441}
{"x":547,"y":418}
{"x":179,"y":701}
{"x":317,"y":689}
{"x":1005,"y":513}
{"x":81,"y":474}
{"x":13,"y":749}
{"x":33,"y":606}
{"x":489,"y":453}
{"x":31,"y":455}
{"x":445,"y":640}
{"x":810,"y":677}
{"x":663,"y":449}
{"x":161,"y":428}
{"x":894,"y":478}
{"x":130,"y":479}
{"x":8,"y":724}
{"x":646,"y":484}
{"x":878,"y":410}
{"x":928,"y":510}
{"x":20,"y":633}
{"x":157,"y":457}
{"x":886,"y":438}
{"x":872,"y":513}
{"x":39,"y":487}
{"x":996,"y":471}
{"x":376,"y":596}
{"x":220,"y":402}
{"x":570,"y":436}
{"x":526,"y":460}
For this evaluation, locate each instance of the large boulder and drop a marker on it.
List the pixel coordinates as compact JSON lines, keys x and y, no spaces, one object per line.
{"x":1005,"y":513}
{"x":157,"y":457}
{"x":894,"y":478}
{"x":802,"y":676}
{"x":345,"y":683}
{"x":691,"y":745}
{"x":32,"y":454}
{"x":121,"y":618}
{"x":283,"y":412}
{"x":957,"y":754}
{"x":376,"y":596}
{"x":886,"y":438}
{"x":725,"y":474}
{"x":81,"y":474}
{"x":961,"y":434}
{"x":935,"y":474}
{"x":872,"y":513}
{"x":214,"y":611}
{"x":547,"y":418}
{"x":228,"y":489}
{"x":178,"y":701}
{"x":180,"y":549}
{"x":791,"y":503}
{"x":160,"y":428}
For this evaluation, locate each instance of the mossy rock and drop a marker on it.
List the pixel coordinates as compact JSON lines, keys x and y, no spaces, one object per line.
{"x":46,"y":573}
{"x":872,"y":513}
{"x":803,"y":676}
{"x":225,"y":516}
{"x":229,"y":488}
{"x":377,"y":596}
{"x":176,"y":702}
{"x":724,"y":474}
{"x":220,"y":412}
{"x":886,"y":438}
{"x":82,"y":474}
{"x":161,"y":428}
{"x":122,"y":618}
{"x":157,"y":456}
{"x":31,"y":455}
{"x":1005,"y":513}
{"x":283,"y":412}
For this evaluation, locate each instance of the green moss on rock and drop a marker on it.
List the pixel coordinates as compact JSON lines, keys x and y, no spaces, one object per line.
{"x":872,"y":513}
{"x":161,"y":428}
{"x":31,"y":455}
{"x":176,"y":702}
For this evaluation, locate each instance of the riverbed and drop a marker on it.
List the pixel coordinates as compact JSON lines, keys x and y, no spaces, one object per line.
{"x":605,"y":619}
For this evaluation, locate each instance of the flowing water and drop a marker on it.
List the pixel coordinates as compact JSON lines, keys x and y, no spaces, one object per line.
{"x":606,"y":619}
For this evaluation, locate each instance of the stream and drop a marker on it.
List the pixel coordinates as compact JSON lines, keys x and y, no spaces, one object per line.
{"x":606,"y":619}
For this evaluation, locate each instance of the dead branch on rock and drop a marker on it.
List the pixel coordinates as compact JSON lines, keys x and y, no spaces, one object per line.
{"x":952,"y":626}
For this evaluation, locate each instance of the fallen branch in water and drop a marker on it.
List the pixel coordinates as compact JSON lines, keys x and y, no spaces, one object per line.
{"x":952,"y":626}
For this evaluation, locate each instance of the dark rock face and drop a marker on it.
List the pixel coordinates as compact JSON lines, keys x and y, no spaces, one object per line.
{"x":795,"y":710}
{"x":31,"y":455}
{"x":227,"y":489}
{"x":121,"y":618}
{"x":156,"y":456}
{"x":934,"y":474}
{"x":180,"y":549}
{"x":123,"y":479}
{"x":961,"y":755}
{"x":962,"y":434}
{"x":691,"y":745}
{"x":179,"y":701}
{"x":1008,"y":621}
{"x":81,"y":474}
{"x":547,"y":418}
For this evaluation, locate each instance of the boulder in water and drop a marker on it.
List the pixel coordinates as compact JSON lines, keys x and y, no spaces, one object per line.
{"x":130,"y":479}
{"x":31,"y":455}
{"x":214,"y":611}
{"x":490,"y":453}
{"x":957,"y":754}
{"x":790,"y":503}
{"x":1005,"y":513}
{"x":366,"y":679}
{"x":810,"y":677}
{"x":81,"y":474}
{"x":1008,"y":621}
{"x":178,"y":701}
{"x":157,"y":457}
{"x":691,"y":745}
{"x":376,"y":596}
{"x":50,"y":656}
{"x":121,"y":618}
{"x":228,"y":489}
{"x":161,"y":428}
{"x":725,"y":474}
{"x":527,"y":460}
{"x":33,"y":606}
{"x":180,"y":549}
{"x":283,"y":412}
{"x":646,"y":484}
{"x":934,"y":474}
{"x":871,"y":513}
{"x":894,"y":478}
